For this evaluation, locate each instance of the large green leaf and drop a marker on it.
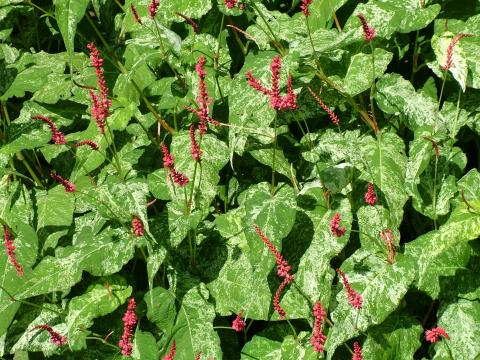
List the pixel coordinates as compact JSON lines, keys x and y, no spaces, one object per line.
{"x":161,"y":308}
{"x":262,"y":348}
{"x":194,"y":326}
{"x":68,"y":14}
{"x":397,"y":95}
{"x":441,"y":252}
{"x":396,"y":338}
{"x":312,"y":244}
{"x":248,"y":290}
{"x":145,"y":346}
{"x":359,"y":75}
{"x":382,"y":287}
{"x":26,"y":243}
{"x":101,"y":298}
{"x":460,"y":320}
{"x":390,"y":16}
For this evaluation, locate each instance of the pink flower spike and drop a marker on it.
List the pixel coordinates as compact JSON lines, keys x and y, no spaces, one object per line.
{"x":451,"y":46}
{"x":368,"y":32}
{"x":198,"y":355}
{"x":135,"y":14}
{"x":100,"y":103}
{"x":335,"y":225}
{"x":254,"y":83}
{"x":193,"y":24}
{"x":179,"y":178}
{"x":168,"y":159}
{"x":357,"y":351}
{"x":283,"y":268}
{"x":55,"y":337}
{"x":69,"y":186}
{"x":153,"y":8}
{"x":435,"y":334}
{"x":230,"y":4}
{"x":137,"y":227}
{"x":10,"y":250}
{"x":335,"y":119}
{"x":354,"y":298}
{"x":318,"y":338}
{"x":173,"y":350}
{"x":129,"y":323}
{"x":238,"y":324}
{"x":304,"y":7}
{"x":389,"y":241}
{"x":195,"y":149}
{"x":370,"y":196}
{"x":89,"y":143}
{"x":278,"y":293}
{"x":57,"y":136}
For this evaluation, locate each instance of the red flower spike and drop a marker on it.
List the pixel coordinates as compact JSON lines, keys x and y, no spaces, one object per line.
{"x":135,"y":14}
{"x":335,"y":225}
{"x":276,"y":299}
{"x":435,"y":334}
{"x":451,"y":46}
{"x":370,"y":196}
{"x":168,"y":159}
{"x":89,"y":143}
{"x":318,"y":338}
{"x":389,"y":240}
{"x":173,"y":350}
{"x":203,"y":100}
{"x":129,"y":323}
{"x":179,"y":178}
{"x":195,"y":149}
{"x":153,"y":8}
{"x":335,"y":119}
{"x":357,"y":351}
{"x":283,"y":268}
{"x":198,"y":355}
{"x":57,"y":136}
{"x":277,"y":102}
{"x":238,"y":324}
{"x":100,"y":104}
{"x":190,"y":22}
{"x":354,"y":298}
{"x":254,"y":83}
{"x":230,"y":4}
{"x":137,"y":227}
{"x":55,"y":337}
{"x":304,"y":7}
{"x":69,"y":186}
{"x":10,"y":250}
{"x":368,"y":32}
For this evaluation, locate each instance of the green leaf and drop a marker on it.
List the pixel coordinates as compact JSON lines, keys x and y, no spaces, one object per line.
{"x":441,"y":252}
{"x":68,"y":14}
{"x":262,"y":348}
{"x":26,"y":243}
{"x":235,"y":275}
{"x":194,"y":326}
{"x":292,"y":349}
{"x":396,"y":338}
{"x":54,"y":214}
{"x":397,"y":95}
{"x":390,"y":16}
{"x":359,"y":76}
{"x":282,"y":165}
{"x":470,"y":185}
{"x":274,"y":215}
{"x":460,"y":320}
{"x":312,"y":231}
{"x":145,"y":346}
{"x":100,"y":299}
{"x":382,"y":287}
{"x":161,"y":308}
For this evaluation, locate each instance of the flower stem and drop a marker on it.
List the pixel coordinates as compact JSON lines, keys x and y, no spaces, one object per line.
{"x":273,"y":154}
{"x":372,"y":89}
{"x":12,"y":298}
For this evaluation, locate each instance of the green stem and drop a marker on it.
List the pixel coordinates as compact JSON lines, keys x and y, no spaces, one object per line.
{"x":372,"y":89}
{"x":454,"y":130}
{"x":162,"y":47}
{"x":310,"y":35}
{"x":449,"y":350}
{"x":415,"y":57}
{"x":103,"y":342}
{"x":12,"y":298}
{"x":224,"y":328}
{"x":29,"y":169}
{"x":273,"y":154}
{"x":293,"y":330}
{"x":439,"y":102}
{"x":115,"y":153}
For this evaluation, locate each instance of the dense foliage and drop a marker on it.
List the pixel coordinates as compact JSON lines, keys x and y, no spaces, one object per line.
{"x":209,"y":179}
